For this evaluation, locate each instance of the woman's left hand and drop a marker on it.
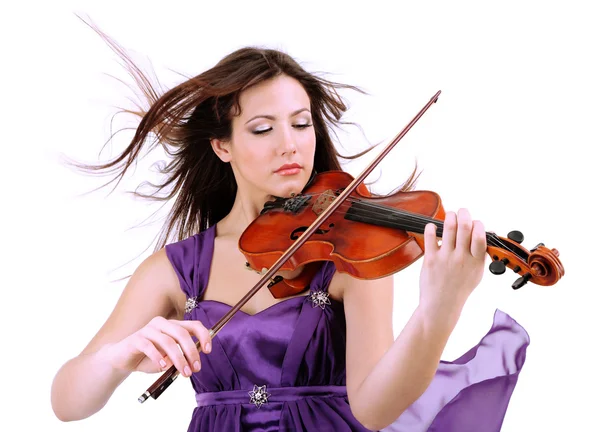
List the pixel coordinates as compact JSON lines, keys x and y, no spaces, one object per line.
{"x":452,"y":270}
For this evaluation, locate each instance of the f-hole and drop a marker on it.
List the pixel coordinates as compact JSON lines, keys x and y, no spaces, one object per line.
{"x":298,"y":231}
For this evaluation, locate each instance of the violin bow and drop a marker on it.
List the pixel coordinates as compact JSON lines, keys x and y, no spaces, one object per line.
{"x":162,"y":383}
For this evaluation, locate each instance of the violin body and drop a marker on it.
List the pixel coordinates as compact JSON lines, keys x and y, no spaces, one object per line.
{"x":348,"y":237}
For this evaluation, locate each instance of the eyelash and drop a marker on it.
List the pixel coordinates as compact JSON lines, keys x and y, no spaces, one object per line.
{"x":261,"y":132}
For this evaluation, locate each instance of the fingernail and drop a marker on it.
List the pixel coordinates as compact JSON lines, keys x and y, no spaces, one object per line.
{"x":163,"y":363}
{"x":197,"y":366}
{"x":187,"y":371}
{"x":207,"y":347}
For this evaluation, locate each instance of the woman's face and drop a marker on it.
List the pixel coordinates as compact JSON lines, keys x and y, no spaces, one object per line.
{"x":272,"y":145}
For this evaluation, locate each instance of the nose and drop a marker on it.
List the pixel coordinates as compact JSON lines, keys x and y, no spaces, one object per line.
{"x":287,"y":142}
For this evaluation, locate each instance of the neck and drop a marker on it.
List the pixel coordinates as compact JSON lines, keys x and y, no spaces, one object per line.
{"x":244,"y":210}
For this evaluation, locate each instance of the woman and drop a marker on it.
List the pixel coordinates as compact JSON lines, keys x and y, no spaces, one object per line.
{"x":254,"y":127}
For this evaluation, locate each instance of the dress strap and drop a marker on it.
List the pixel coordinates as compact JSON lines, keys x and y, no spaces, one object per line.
{"x":323,"y":278}
{"x":315,"y":308}
{"x":191,"y":259}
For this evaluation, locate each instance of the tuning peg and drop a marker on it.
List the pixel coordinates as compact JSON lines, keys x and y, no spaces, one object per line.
{"x":521,"y":281}
{"x":516,"y":236}
{"x":536,"y":246}
{"x":498,"y":267}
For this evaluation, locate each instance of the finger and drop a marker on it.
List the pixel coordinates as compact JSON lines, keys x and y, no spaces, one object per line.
{"x":449,"y":234}
{"x":430,"y":239}
{"x":146,"y":347}
{"x":168,"y":345}
{"x":464,"y":228}
{"x":201,"y":333}
{"x":183,"y":338}
{"x":478,"y":240}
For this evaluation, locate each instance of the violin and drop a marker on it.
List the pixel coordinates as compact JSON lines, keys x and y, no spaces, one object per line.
{"x":335,"y":218}
{"x":371,"y":237}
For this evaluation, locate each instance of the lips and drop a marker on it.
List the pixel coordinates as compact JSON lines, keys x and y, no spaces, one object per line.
{"x":287,"y":167}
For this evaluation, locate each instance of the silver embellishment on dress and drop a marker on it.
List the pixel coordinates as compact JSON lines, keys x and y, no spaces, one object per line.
{"x":190,"y":304}
{"x":259,"y":395}
{"x":320,"y":298}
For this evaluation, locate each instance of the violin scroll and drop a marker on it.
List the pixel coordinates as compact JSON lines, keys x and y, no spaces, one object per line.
{"x":539,"y":265}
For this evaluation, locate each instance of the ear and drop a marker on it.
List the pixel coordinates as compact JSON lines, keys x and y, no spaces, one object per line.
{"x":222,"y":149}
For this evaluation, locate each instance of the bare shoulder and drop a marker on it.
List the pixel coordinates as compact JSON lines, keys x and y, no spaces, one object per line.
{"x":157,"y":272}
{"x":376,"y":294}
{"x":362,"y":298}
{"x":153,"y":290}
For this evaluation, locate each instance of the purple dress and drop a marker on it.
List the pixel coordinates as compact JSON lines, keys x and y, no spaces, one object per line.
{"x":284,"y":367}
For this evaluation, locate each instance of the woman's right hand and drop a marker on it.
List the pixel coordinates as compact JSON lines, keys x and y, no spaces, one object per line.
{"x":160,"y":344}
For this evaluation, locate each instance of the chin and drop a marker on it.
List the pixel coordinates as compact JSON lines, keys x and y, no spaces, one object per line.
{"x":287,"y":190}
{"x":286,"y":186}
{"x":286,"y":193}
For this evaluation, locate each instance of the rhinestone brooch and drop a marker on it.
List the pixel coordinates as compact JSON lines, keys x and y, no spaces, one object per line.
{"x":191,"y":304}
{"x":320,"y":298}
{"x":259,"y":395}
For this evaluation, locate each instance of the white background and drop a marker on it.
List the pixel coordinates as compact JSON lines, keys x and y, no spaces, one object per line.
{"x":513,"y":138}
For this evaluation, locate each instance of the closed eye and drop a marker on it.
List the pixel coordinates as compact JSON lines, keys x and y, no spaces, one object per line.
{"x":261,"y":131}
{"x":303,"y":126}
{"x":264,"y":131}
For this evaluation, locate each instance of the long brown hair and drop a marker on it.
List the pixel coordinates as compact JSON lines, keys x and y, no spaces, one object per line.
{"x":185,"y":118}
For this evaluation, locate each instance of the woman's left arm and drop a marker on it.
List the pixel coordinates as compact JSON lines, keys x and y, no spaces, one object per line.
{"x":385,"y":376}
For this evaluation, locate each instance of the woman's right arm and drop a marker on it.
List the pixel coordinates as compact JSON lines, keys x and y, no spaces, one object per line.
{"x":144,"y":332}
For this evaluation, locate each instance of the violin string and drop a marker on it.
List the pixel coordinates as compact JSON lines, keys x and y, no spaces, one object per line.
{"x":491,"y":237}
{"x":408,"y":220}
{"x":415,"y":216}
{"x":404,"y":223}
{"x":407,"y":224}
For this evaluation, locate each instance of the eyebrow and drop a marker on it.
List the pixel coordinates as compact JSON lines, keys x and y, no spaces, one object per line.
{"x":270,"y":117}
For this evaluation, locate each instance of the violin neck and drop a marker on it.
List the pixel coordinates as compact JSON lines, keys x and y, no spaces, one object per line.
{"x":384,"y":216}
